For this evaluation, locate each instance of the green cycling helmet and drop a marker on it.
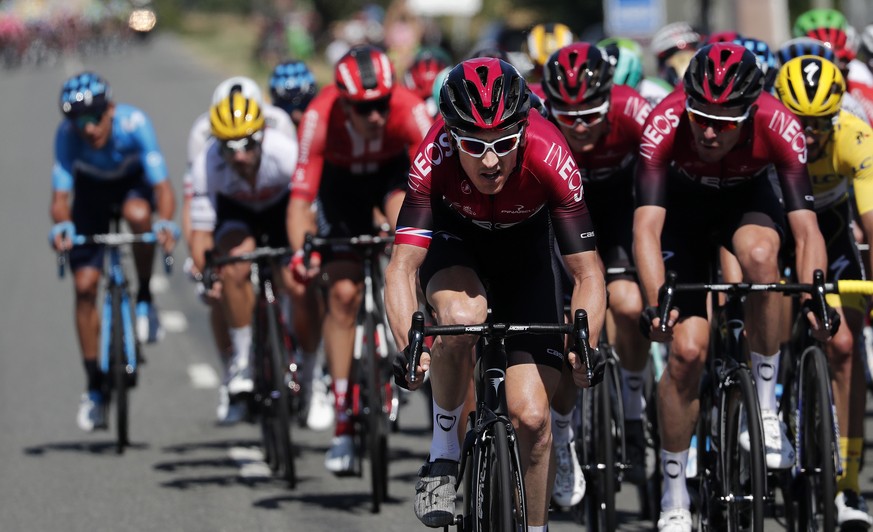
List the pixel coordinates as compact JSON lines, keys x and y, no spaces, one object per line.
{"x":628,"y":58}
{"x":438,"y":84}
{"x":816,"y":19}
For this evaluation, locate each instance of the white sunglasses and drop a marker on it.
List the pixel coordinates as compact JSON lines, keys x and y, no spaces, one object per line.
{"x":478,"y":147}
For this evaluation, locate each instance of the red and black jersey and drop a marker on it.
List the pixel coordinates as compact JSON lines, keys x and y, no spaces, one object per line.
{"x":772,"y":137}
{"x":546,"y":177}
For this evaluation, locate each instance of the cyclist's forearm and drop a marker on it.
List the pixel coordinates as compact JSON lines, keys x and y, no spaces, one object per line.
{"x":589,"y":289}
{"x":810,"y":247}
{"x":198,"y":244}
{"x":300,"y":220}
{"x":647,"y":257}
{"x":400,"y":290}
{"x":60,"y":207}
{"x":165,"y":200}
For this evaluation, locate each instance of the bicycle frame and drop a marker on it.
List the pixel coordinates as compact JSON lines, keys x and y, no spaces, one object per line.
{"x":117,"y":287}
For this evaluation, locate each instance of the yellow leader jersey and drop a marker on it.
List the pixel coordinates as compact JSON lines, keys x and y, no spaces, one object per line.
{"x":848,"y":155}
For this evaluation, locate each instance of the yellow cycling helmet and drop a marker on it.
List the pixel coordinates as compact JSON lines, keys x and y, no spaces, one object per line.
{"x":546,"y":39}
{"x":235,"y":117}
{"x":810,"y":86}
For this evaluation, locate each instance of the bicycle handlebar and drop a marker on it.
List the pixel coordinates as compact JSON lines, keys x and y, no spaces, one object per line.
{"x":579,"y":329}
{"x":818,"y":289}
{"x":212,"y":262}
{"x":312,"y":242}
{"x":114,"y":240}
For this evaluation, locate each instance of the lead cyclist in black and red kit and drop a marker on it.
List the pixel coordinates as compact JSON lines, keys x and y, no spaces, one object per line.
{"x":489,"y":191}
{"x":356,"y":141}
{"x":603,"y":125}
{"x":702,"y":182}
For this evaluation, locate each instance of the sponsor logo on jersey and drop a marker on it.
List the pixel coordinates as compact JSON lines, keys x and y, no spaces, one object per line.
{"x":653,"y":134}
{"x":563,"y":161}
{"x":430,"y":154}
{"x":638,"y":109}
{"x":789,"y":130}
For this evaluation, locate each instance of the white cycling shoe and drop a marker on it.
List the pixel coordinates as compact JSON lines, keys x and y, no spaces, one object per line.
{"x":340,"y":458}
{"x":569,"y":480}
{"x":92,"y":414}
{"x":778,"y":451}
{"x":676,"y":520}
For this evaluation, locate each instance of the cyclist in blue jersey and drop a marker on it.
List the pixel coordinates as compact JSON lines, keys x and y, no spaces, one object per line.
{"x":106,"y":157}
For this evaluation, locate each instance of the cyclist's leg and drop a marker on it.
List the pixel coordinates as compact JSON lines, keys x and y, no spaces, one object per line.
{"x":529,"y":387}
{"x":137,"y":209}
{"x":678,"y":407}
{"x":237,"y":302}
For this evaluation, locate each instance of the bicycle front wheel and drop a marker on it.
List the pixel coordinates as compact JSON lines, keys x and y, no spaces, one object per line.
{"x":817,"y":478}
{"x":742,"y":474}
{"x":118,"y":360}
{"x":280,"y":399}
{"x":600,"y":455}
{"x":377,"y":422}
{"x":498,"y":500}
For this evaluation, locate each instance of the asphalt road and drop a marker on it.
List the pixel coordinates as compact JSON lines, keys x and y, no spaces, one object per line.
{"x":183,"y":472}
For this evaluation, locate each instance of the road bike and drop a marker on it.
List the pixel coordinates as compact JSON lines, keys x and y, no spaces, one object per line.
{"x":809,"y":413}
{"x":375,"y":399}
{"x":120,"y":352}
{"x":276,"y":387}
{"x":493,"y":481}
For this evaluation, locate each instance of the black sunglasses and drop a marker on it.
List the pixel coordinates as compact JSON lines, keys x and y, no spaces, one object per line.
{"x":367,"y":107}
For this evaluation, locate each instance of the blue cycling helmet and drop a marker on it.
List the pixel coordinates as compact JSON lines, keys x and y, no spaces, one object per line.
{"x":292,"y":86}
{"x":765,"y":57}
{"x":84,"y":93}
{"x":804,"y":46}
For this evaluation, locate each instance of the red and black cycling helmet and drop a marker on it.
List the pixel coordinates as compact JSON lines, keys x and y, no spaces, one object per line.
{"x":484,"y":94}
{"x":364,"y":73}
{"x":425,"y":67}
{"x":724,"y":74}
{"x":578,"y":73}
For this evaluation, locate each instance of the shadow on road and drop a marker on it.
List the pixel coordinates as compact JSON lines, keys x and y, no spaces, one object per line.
{"x":107,"y":447}
{"x":352,"y":503}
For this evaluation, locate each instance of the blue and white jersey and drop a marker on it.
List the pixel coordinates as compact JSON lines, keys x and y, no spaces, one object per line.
{"x":132,"y":149}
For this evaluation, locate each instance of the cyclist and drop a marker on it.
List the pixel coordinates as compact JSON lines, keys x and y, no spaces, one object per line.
{"x":423,"y":72}
{"x":831,"y":27}
{"x":704,"y":159}
{"x":808,"y":46}
{"x":238,"y":201}
{"x":766,"y":59}
{"x":357,"y":140}
{"x":628,"y":58}
{"x":603,"y":125}
{"x":292,"y":87}
{"x":199,"y":138}
{"x":485,"y":184}
{"x":840,"y":149}
{"x":542,"y":41}
{"x":673,"y":46}
{"x":106,"y":157}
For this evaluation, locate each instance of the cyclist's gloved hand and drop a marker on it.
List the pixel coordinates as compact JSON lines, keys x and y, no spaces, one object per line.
{"x":598,"y":368}
{"x":401,"y":368}
{"x":299,"y":271}
{"x":168,"y":233}
{"x":652,"y":332}
{"x":61,"y":235}
{"x":807,"y":308}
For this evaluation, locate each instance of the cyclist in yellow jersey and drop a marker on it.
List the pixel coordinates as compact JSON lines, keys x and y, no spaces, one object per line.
{"x":840,"y":154}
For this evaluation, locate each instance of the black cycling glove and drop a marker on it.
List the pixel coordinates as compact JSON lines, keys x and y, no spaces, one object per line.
{"x":833,"y":315}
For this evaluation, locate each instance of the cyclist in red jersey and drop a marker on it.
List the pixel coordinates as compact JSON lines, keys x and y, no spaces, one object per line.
{"x":702,"y":182}
{"x":603,"y":125}
{"x":490,"y":189}
{"x":356,"y":140}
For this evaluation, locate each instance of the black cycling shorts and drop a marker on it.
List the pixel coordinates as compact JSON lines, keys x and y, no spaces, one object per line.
{"x":268,"y":226}
{"x":346,"y":200}
{"x":611,"y":204}
{"x":94,"y":203}
{"x":698,"y":221}
{"x":518,"y":270}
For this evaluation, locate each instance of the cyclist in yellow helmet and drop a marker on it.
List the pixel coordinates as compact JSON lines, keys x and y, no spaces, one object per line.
{"x":840,"y":154}
{"x":543,"y":40}
{"x":239,"y":199}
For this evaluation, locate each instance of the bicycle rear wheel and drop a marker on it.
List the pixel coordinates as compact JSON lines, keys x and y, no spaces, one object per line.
{"x":817,"y":478}
{"x":118,"y":363}
{"x":498,"y":499}
{"x":280,"y":404}
{"x":742,"y":474}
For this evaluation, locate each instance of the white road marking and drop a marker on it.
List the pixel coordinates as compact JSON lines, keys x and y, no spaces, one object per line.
{"x":159,"y":284}
{"x":250,"y":461}
{"x":173,"y":321}
{"x":203,"y":376}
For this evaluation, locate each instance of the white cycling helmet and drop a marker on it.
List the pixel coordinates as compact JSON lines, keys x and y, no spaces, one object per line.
{"x":675,"y":36}
{"x":245,"y":86}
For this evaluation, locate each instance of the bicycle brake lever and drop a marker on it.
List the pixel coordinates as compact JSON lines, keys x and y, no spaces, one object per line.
{"x":665,"y":300}
{"x":583,"y":348}
{"x":416,"y":344}
{"x":62,"y":264}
